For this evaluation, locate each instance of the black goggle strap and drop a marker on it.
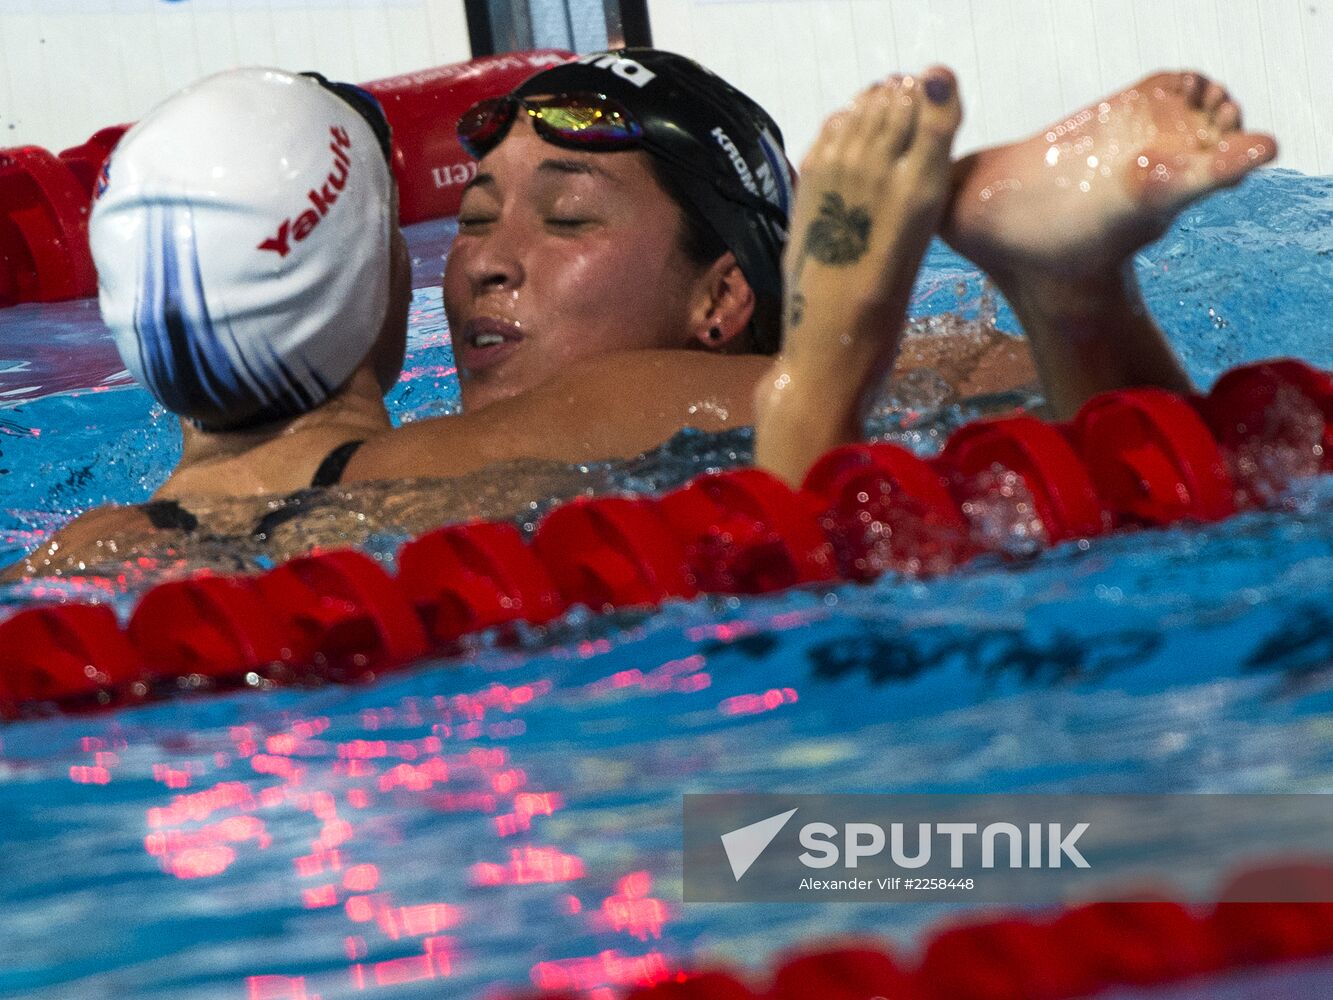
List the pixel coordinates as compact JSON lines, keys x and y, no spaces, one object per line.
{"x":364,"y":103}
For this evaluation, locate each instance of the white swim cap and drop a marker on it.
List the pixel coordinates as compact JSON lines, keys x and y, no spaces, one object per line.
{"x":241,"y":236}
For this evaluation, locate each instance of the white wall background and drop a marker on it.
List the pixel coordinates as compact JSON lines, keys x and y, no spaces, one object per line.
{"x":1021,"y":63}
{"x":69,"y":67}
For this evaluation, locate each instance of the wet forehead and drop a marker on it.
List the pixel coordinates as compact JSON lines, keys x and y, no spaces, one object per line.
{"x":523,"y":158}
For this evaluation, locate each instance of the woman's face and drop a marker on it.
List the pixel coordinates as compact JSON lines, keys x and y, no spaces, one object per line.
{"x":562,"y":255}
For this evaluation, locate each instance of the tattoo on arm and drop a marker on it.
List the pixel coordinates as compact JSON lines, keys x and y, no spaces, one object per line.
{"x":839,"y":235}
{"x":795,"y":309}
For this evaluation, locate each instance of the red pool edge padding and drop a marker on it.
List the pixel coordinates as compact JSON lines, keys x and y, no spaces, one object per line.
{"x":46,"y":199}
{"x":1133,"y":458}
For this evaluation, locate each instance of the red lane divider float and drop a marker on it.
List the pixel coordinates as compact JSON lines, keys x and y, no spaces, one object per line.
{"x":842,"y":974}
{"x":345,"y":614}
{"x":1139,"y":457}
{"x":1059,"y":485}
{"x":1076,"y":951}
{"x":1275,"y":422}
{"x":74,"y":655}
{"x":1152,"y":458}
{"x":44,"y":255}
{"x":613,"y":552}
{"x":86,"y":159}
{"x":214,"y":627}
{"x":746,"y":532}
{"x":470,"y":577}
{"x":884,"y":508}
{"x":45,"y":199}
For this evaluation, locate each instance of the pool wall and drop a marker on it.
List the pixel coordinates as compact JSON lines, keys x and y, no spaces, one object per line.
{"x":75,"y":65}
{"x":1022,"y":64}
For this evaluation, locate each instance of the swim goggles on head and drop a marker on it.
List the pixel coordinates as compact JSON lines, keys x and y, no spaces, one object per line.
{"x":586,"y":121}
{"x":591,"y":122}
{"x":365,"y":104}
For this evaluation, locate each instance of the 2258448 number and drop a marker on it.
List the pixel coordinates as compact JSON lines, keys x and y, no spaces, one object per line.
{"x":936,"y":884}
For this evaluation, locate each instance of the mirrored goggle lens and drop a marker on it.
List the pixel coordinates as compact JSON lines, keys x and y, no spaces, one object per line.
{"x":484,"y":124}
{"x":590,"y":121}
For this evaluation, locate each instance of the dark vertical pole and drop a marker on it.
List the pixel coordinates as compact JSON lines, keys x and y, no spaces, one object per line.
{"x":495,"y":26}
{"x":479,"y":32}
{"x":634,"y":27}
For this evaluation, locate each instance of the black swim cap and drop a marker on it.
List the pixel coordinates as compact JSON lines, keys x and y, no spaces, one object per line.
{"x":721,"y":150}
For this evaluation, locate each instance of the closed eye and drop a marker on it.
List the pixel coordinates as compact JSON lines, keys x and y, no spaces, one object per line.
{"x":568,"y":223}
{"x":472,"y":222}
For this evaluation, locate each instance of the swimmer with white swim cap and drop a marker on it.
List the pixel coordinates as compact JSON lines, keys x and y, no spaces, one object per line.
{"x":242,"y":235}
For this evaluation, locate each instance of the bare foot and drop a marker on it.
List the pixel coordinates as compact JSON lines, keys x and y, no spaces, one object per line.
{"x":1085,"y":193}
{"x":873,"y":190}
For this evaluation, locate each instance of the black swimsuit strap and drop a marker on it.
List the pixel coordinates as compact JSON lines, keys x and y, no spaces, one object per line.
{"x":168,"y":515}
{"x":330,"y":471}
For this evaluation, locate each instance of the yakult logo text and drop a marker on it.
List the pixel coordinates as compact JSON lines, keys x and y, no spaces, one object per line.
{"x":627,"y":69}
{"x":322,"y":199}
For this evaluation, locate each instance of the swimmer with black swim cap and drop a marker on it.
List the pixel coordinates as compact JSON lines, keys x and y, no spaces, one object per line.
{"x":716,"y":152}
{"x":666,"y":185}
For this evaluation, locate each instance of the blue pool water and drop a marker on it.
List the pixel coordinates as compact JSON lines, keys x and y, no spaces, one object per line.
{"x":512,"y":817}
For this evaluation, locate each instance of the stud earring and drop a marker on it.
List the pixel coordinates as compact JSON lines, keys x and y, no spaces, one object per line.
{"x":715,"y":333}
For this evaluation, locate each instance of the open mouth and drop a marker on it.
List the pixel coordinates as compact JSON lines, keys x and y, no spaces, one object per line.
{"x":485,"y":342}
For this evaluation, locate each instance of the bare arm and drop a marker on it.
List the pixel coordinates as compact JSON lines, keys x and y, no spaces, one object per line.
{"x":89,"y":538}
{"x":615,"y":406}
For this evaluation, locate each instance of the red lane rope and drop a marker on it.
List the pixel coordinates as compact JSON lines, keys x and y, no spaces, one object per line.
{"x":1132,"y":458}
{"x":1076,"y":951}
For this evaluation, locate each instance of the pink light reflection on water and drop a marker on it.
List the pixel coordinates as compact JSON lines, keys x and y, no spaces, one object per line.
{"x":631,"y":910}
{"x":607,"y":968}
{"x":82,"y":774}
{"x":754,"y":704}
{"x":726,"y":632}
{"x":277,"y":988}
{"x":207,"y":822}
{"x":686,"y":676}
{"x":428,"y":371}
{"x":435,"y":962}
{"x":528,"y":866}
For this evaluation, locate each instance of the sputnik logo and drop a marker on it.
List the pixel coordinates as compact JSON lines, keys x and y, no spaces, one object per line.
{"x":744,"y":846}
